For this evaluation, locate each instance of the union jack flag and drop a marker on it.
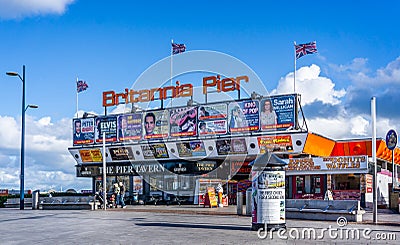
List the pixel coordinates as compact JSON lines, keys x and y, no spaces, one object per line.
{"x":178,"y":48}
{"x":306,"y":48}
{"x":81,"y":86}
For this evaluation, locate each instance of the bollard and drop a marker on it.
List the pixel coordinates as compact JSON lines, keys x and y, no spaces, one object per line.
{"x":239,"y":203}
{"x":248,"y":201}
{"x":35,"y":199}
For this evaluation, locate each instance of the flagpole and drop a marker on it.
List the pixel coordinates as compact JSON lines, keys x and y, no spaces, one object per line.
{"x":294,"y":74}
{"x":76,"y":97}
{"x":172,"y":50}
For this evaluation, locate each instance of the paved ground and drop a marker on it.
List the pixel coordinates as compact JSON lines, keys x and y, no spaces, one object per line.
{"x":177,"y":225}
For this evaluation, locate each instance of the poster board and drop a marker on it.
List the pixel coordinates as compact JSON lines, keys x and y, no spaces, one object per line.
{"x":211,"y":199}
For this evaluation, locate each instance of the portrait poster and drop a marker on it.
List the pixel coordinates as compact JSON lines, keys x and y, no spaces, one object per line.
{"x":155,"y":124}
{"x":183,"y":121}
{"x":129,"y":127}
{"x":107,"y":125}
{"x":243,"y":116}
{"x":83,"y":131}
{"x":283,"y":109}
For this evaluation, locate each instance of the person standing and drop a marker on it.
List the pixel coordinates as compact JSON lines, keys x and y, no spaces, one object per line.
{"x":116,"y":193}
{"x":122,"y":194}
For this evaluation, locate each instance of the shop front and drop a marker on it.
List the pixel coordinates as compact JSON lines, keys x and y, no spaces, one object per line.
{"x":310,"y":178}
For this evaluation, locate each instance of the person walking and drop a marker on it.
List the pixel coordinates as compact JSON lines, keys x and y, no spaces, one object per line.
{"x":122,"y":195}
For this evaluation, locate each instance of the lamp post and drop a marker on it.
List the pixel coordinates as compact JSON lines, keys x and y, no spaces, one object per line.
{"x":22,"y":188}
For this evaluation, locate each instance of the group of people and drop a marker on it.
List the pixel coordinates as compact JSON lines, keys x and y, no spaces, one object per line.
{"x":119,"y":194}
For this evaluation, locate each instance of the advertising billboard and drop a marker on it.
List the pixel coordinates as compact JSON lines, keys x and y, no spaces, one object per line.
{"x":155,"y":124}
{"x":83,"y":133}
{"x":278,"y":112}
{"x":130,"y":127}
{"x":243,"y":116}
{"x":107,"y":125}
{"x":183,"y":121}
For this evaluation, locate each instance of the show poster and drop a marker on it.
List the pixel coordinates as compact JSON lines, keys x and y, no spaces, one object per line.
{"x":275,"y":143}
{"x":268,"y":197}
{"x":231,"y":146}
{"x":138,"y":184}
{"x":152,"y":151}
{"x":213,"y":127}
{"x":243,"y":116}
{"x":184,"y":149}
{"x":83,"y":131}
{"x":130,"y":127}
{"x":107,"y":125}
{"x":92,"y":155}
{"x":156,"y":124}
{"x":191,"y":149}
{"x":183,"y":121}
{"x":121,"y":153}
{"x":281,"y":114}
{"x":212,"y":111}
{"x":197,"y":148}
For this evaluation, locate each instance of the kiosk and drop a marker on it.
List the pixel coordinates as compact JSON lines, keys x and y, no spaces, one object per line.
{"x":268,"y":192}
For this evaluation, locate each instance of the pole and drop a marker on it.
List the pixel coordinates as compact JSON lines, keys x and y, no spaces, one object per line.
{"x":22,"y":186}
{"x":172,"y":50}
{"x":77,"y":107}
{"x":294,"y":73}
{"x":104,"y":172}
{"x":393,"y":171}
{"x":375,"y":192}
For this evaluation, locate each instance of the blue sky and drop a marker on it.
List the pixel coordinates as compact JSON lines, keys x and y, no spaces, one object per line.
{"x":110,"y":43}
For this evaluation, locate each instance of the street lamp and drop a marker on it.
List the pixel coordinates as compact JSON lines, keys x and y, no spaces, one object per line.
{"x":22,"y":188}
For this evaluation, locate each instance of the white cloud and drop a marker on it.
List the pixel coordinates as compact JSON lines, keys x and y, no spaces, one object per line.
{"x":311,"y":86}
{"x":48,"y":164}
{"x":14,"y":9}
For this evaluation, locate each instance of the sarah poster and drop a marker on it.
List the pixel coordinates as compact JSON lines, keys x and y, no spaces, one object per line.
{"x":278,"y":112}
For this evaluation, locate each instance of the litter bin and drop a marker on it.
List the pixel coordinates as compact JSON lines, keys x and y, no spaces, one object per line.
{"x":268,"y":193}
{"x":239,"y":203}
{"x":249,"y":192}
{"x":35,"y":199}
